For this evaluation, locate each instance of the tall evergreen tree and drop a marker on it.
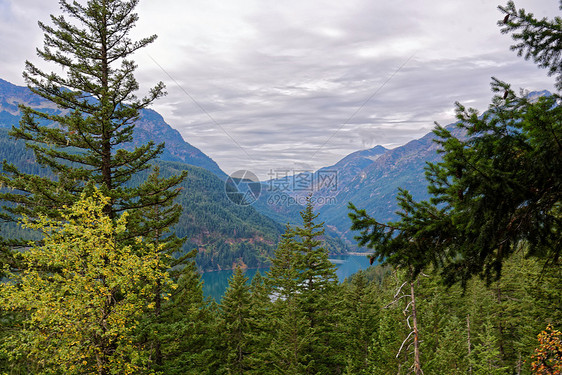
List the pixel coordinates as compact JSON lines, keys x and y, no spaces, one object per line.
{"x":319,"y":294}
{"x":389,"y":335}
{"x":403,"y":251}
{"x":316,"y":272}
{"x":292,"y":338}
{"x":451,"y":353}
{"x":180,"y":334}
{"x":291,"y":332}
{"x":486,"y":357}
{"x":261,"y":327}
{"x":87,"y":138}
{"x":156,"y":214}
{"x":361,"y":322}
{"x":305,"y":282}
{"x":496,"y":186}
{"x":236,"y":325}
{"x":283,"y":277}
{"x":444,"y":326}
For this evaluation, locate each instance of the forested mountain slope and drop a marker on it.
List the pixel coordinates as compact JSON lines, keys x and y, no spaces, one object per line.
{"x":224,"y":233}
{"x":150,"y":127}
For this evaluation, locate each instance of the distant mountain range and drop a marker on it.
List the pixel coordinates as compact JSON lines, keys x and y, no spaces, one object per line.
{"x":226,"y":233}
{"x":151,"y":126}
{"x":370,"y":180}
{"x":374,"y":187}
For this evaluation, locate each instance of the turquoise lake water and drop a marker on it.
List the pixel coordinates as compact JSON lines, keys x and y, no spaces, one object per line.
{"x":215,"y":283}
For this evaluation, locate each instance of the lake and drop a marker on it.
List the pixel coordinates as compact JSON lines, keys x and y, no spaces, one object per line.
{"x":215,"y":283}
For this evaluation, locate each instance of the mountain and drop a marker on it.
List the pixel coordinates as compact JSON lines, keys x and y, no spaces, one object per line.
{"x":224,"y":233}
{"x":375,"y":187}
{"x":332,"y":180}
{"x":356,"y":162}
{"x":150,"y":127}
{"x":283,"y":198}
{"x":368,"y":178}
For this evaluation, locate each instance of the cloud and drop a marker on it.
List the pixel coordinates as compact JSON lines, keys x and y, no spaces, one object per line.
{"x":263,"y":84}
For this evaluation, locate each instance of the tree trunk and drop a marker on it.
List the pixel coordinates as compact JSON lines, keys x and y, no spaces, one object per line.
{"x":106,"y":118}
{"x":417,"y":363}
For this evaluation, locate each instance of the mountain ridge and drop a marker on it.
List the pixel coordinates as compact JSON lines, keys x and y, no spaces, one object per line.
{"x":376,"y":186}
{"x":150,"y":126}
{"x":224,"y":234}
{"x":368,"y":178}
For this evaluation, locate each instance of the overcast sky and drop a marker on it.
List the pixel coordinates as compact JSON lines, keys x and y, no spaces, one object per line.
{"x":267,"y":85}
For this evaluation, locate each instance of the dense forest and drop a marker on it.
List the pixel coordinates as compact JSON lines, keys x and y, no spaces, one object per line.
{"x":297,"y":319}
{"x":469,"y":280}
{"x":225,"y":233}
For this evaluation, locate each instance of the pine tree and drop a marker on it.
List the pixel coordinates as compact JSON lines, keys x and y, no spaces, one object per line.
{"x":182,"y":330}
{"x":291,"y":332}
{"x":283,"y":277}
{"x":450,"y":356}
{"x":305,"y":282}
{"x":498,"y":183}
{"x":319,"y":294}
{"x":156,"y":214}
{"x":316,"y":272}
{"x":261,"y":327}
{"x":236,"y":324}
{"x":398,"y":245}
{"x":386,"y":342}
{"x":293,"y":336}
{"x":537,"y":39}
{"x":442,"y":314}
{"x":486,"y":356}
{"x":87,"y":138}
{"x":361,"y":312}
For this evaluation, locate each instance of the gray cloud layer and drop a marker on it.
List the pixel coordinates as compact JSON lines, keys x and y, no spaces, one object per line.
{"x":290,"y":81}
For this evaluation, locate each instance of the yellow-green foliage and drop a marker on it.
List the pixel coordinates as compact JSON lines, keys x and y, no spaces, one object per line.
{"x":82,"y":294}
